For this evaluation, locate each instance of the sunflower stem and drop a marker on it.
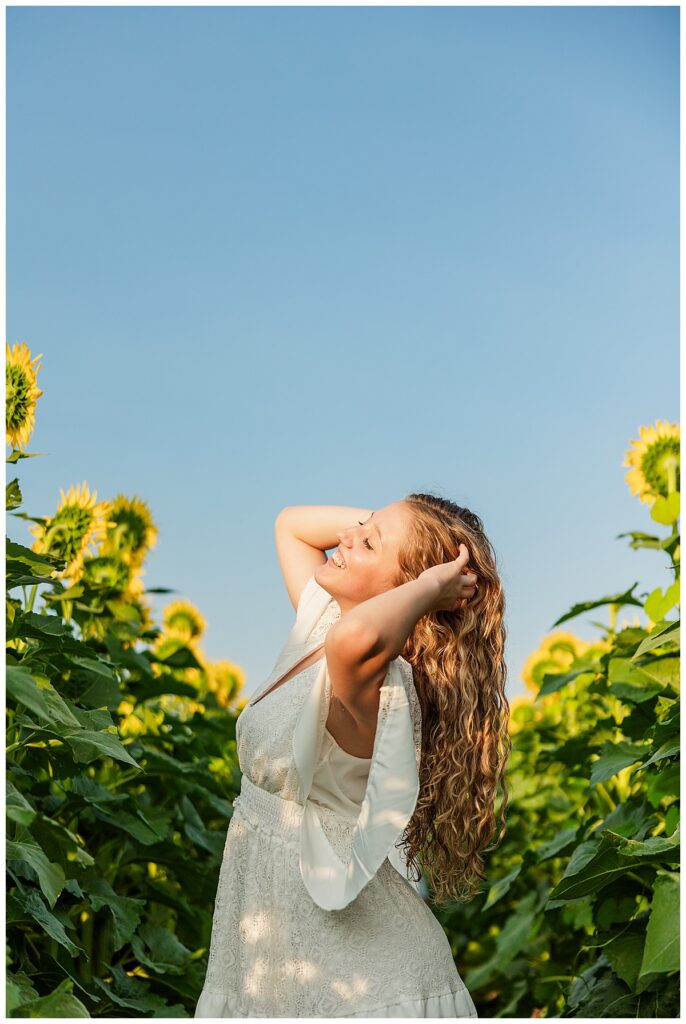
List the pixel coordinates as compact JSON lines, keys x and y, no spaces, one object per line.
{"x":613,"y":616}
{"x":606,"y":796}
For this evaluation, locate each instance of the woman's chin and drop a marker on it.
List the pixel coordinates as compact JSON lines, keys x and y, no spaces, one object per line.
{"x":324,"y":575}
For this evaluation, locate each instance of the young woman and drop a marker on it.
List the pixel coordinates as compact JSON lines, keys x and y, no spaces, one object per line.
{"x":374,"y":750}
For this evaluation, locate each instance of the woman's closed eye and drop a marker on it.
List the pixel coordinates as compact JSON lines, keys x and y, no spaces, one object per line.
{"x":366,"y":541}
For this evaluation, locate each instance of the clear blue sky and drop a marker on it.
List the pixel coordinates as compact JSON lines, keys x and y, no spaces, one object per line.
{"x":314,"y":255}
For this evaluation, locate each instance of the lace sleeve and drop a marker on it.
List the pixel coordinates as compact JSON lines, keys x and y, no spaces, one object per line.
{"x":334,"y":879}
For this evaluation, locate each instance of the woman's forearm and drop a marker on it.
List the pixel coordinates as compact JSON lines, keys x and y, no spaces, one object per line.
{"x":318,"y":524}
{"x":390,"y":617}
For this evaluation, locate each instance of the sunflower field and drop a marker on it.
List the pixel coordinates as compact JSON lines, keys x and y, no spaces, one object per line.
{"x":579,"y":916}
{"x":122,"y":769}
{"x":121,"y":760}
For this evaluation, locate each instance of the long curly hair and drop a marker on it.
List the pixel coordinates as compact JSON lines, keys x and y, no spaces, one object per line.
{"x":459,"y":671}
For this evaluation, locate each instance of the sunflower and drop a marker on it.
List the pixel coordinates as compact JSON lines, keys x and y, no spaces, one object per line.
{"x":21,"y":393}
{"x":78,"y":522}
{"x":183,"y":620}
{"x":555,"y":653}
{"x":111,"y":571}
{"x":133,"y":533}
{"x":106,"y":570}
{"x":144,"y":610}
{"x":225,"y":680}
{"x":523,"y":700}
{"x":654,"y":462}
{"x":167,"y":644}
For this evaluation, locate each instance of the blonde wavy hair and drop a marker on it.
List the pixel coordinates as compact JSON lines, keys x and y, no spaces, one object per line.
{"x":459,"y":671}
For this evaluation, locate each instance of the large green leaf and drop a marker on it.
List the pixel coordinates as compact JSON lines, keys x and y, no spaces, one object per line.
{"x":51,"y":834}
{"x":613,"y":758}
{"x":663,"y":783}
{"x":170,"y":955}
{"x":126,"y":910}
{"x":135,"y":825}
{"x":29,"y":904}
{"x":630,"y":681}
{"x":133,"y":993}
{"x":625,"y":953}
{"x":655,"y":848}
{"x":60,"y":1003}
{"x":552,"y":682}
{"x":499,"y":888}
{"x":19,"y":989}
{"x":557,"y":845}
{"x":50,"y":875}
{"x":662,"y":936}
{"x":88,"y":745}
{"x":661,"y":634}
{"x":17,"y":806}
{"x":668,"y":749}
{"x":39,"y":696}
{"x":616,"y":599}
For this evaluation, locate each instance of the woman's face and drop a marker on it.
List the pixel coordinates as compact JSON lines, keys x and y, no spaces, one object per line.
{"x":370,"y":552}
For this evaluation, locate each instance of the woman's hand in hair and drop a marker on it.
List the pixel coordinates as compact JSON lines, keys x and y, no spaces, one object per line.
{"x":455,"y":585}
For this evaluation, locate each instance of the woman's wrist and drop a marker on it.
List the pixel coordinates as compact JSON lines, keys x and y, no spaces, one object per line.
{"x":319,"y":525}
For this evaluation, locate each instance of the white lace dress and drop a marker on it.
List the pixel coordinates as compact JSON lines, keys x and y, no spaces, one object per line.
{"x":315,"y":915}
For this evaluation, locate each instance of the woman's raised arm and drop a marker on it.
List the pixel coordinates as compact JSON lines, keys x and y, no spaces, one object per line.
{"x":303,"y":533}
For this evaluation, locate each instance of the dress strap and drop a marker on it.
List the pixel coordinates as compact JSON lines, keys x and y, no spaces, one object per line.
{"x":316,"y":613}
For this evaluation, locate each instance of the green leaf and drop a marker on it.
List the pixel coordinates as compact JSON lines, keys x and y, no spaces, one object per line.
{"x":615,"y":909}
{"x":617,"y":599}
{"x":17,"y":806}
{"x":96,"y":667}
{"x":139,"y":829}
{"x":668,"y":749}
{"x":38,"y":695}
{"x":613,"y":758}
{"x":656,"y":848}
{"x":53,"y":835}
{"x":126,"y":910}
{"x":31,"y":906}
{"x":665,"y":509}
{"x":34,"y":562}
{"x":171,"y":956}
{"x":13,"y":498}
{"x":610,"y":997}
{"x":128,"y":657}
{"x":552,"y":682}
{"x":625,"y":953}
{"x":499,"y":888}
{"x":50,"y":876}
{"x":659,"y":603}
{"x":19,"y":990}
{"x":103,"y":693}
{"x":49,"y":625}
{"x":60,"y":1003}
{"x":555,"y":846}
{"x":631,"y":682}
{"x":662,"y":936}
{"x":132,"y":993}
{"x":662,"y":633}
{"x":88,"y":745}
